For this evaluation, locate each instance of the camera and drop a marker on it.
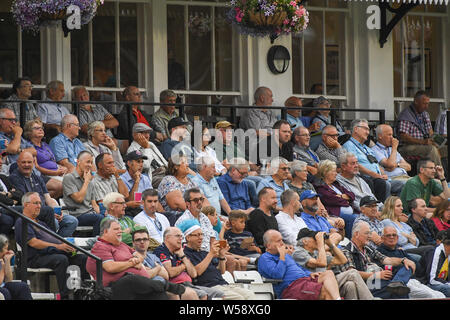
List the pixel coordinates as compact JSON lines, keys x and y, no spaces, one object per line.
{"x":371,"y":158}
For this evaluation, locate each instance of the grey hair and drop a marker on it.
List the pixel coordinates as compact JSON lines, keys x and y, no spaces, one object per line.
{"x":26,"y":197}
{"x":298,"y":165}
{"x":384,"y":229}
{"x":343,"y":158}
{"x":112,"y":197}
{"x":3,"y":241}
{"x":3,"y":111}
{"x":317,"y":102}
{"x":166,"y":94}
{"x":327,"y":127}
{"x":187,"y":193}
{"x":259,"y":92}
{"x":379,"y":129}
{"x":357,"y":226}
{"x":357,"y":122}
{"x":66,"y":119}
{"x":204,"y":161}
{"x":238,"y":163}
{"x":53,"y":85}
{"x":106,"y":224}
{"x":77,"y":89}
{"x":275,"y":163}
{"x":92,"y":126}
{"x":268,"y":236}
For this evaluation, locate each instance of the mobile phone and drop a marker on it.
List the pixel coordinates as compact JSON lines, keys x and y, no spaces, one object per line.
{"x":222,"y":244}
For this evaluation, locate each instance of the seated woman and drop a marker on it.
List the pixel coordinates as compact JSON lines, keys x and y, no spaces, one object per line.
{"x":337,"y":200}
{"x":172,"y":188}
{"x":10,"y":290}
{"x":99,"y":142}
{"x":392,"y":215}
{"x":441,"y":215}
{"x":201,"y":148}
{"x":45,"y":161}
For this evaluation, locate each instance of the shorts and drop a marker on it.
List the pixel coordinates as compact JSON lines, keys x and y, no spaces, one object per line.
{"x":303,"y":289}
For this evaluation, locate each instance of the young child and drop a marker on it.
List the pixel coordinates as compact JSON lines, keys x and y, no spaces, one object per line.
{"x":241,"y":242}
{"x":217,"y":224}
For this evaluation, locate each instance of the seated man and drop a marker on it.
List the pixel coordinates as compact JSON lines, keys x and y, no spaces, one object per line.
{"x":260,"y":118}
{"x":194,"y":202}
{"x":155,"y":166}
{"x":297,"y":282}
{"x":89,"y":113}
{"x":310,"y":253}
{"x":262,"y":218}
{"x":389,"y":247}
{"x":424,"y":186}
{"x":155,"y":222}
{"x":178,"y":132}
{"x":369,"y":168}
{"x":369,"y":213}
{"x":279,"y":169}
{"x":330,"y":148}
{"x":210,"y":265}
{"x":153,"y":265}
{"x":381,"y":282}
{"x":51,"y":114}
{"x":424,"y":228}
{"x":388,"y":157}
{"x":303,"y":152}
{"x":21,"y":90}
{"x":106,"y":180}
{"x":79,"y":195}
{"x":415,"y":130}
{"x":166,"y":113}
{"x":136,"y":181}
{"x":350,"y":179}
{"x":99,"y":142}
{"x":66,"y":146}
{"x":234,"y":187}
{"x":205,"y":179}
{"x":123,"y":270}
{"x":11,"y":131}
{"x":316,"y":222}
{"x":289,"y":223}
{"x":434,"y":267}
{"x":44,"y":250}
{"x":26,"y":179}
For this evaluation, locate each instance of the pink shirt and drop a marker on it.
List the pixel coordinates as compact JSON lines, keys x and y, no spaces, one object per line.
{"x":109,"y":252}
{"x":441,"y":225}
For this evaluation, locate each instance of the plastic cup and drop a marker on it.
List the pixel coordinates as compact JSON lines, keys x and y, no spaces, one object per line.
{"x":57,"y":210}
{"x":137,"y":196}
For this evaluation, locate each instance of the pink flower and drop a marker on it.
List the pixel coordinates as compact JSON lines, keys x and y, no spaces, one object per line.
{"x":239,"y":14}
{"x":293,"y":3}
{"x":286,"y":21}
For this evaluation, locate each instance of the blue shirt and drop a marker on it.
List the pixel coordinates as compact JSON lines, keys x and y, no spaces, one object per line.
{"x":381,"y":152}
{"x":51,"y":113}
{"x":269,"y":182}
{"x":361,"y":151}
{"x":236,"y":194}
{"x":294,"y":122}
{"x":64,"y":148}
{"x":270,"y":266}
{"x":316,"y":223}
{"x":144,"y":184}
{"x":24,"y":144}
{"x":167,"y":146}
{"x":33,"y":183}
{"x":211,"y":190}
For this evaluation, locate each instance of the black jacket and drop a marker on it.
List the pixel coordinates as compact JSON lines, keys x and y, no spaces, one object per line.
{"x":419,"y":230}
{"x":430,"y":266}
{"x":15,"y":194}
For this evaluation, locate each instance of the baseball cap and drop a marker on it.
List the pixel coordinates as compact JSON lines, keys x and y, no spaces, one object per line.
{"x":135,"y":155}
{"x":175,"y":122}
{"x":223,"y":124}
{"x":306,"y":233}
{"x":141,"y":127}
{"x":308,"y":194}
{"x":368,"y":200}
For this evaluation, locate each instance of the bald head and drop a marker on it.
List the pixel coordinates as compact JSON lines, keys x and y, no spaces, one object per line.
{"x":390,"y":237}
{"x":384,"y":134}
{"x":25,"y":163}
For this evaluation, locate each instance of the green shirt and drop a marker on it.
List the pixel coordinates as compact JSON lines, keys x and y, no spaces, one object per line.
{"x":414,"y":188}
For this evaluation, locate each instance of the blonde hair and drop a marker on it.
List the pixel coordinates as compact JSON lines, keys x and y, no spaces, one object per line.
{"x":325,"y":166}
{"x":208,"y":210}
{"x":389,"y":207}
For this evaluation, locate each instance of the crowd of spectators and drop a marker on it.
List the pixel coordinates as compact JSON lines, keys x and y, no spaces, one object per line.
{"x":331,"y":212}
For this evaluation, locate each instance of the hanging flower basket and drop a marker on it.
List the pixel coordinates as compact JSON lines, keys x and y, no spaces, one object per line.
{"x":32,"y":14}
{"x":260,"y":18}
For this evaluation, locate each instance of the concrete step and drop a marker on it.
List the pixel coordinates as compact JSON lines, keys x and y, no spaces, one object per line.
{"x":44,"y":296}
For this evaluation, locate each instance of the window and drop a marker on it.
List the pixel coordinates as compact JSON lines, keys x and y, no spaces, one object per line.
{"x":318,"y":54}
{"x":200,"y":46}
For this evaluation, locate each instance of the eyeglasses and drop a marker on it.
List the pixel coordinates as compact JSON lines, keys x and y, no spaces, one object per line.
{"x":391,"y":235}
{"x":99,"y":130}
{"x":37,"y":128}
{"x":177,"y":235}
{"x":365,"y":128}
{"x":141,"y":240}
{"x":197,"y":200}
{"x":10,"y":119}
{"x":36,"y":203}
{"x":432,"y":168}
{"x":304,"y":135}
{"x":284,"y":169}
{"x":331,"y":135}
{"x":158,"y":224}
{"x":120,"y":203}
{"x":196,"y":235}
{"x":243,"y":174}
{"x":74,"y":124}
